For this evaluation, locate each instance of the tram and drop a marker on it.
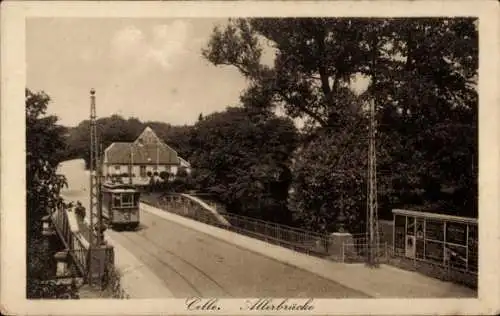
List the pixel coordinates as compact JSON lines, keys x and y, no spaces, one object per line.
{"x":120,"y":205}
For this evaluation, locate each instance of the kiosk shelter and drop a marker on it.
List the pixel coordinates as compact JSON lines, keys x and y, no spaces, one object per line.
{"x":444,"y":240}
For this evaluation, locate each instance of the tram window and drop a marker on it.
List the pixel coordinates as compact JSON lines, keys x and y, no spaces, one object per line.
{"x":127,"y":200}
{"x":136,"y":199}
{"x":116,"y":200}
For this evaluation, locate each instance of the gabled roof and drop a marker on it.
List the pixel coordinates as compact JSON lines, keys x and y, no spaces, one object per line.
{"x":146,"y":149}
{"x":148,"y":136}
{"x":118,"y":147}
{"x":184,"y":162}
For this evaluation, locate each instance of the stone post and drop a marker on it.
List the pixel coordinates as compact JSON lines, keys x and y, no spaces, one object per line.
{"x":341,"y":241}
{"x":47,"y":229}
{"x":62,"y":263}
{"x":102,"y":259}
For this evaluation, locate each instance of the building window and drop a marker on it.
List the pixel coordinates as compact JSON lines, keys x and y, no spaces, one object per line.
{"x":117,"y":167}
{"x":142,"y":171}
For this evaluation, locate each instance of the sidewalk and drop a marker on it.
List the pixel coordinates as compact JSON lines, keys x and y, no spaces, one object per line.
{"x":137,"y":280}
{"x":383,"y":282}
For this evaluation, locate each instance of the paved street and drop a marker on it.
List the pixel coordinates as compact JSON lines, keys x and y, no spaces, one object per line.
{"x":193,"y":263}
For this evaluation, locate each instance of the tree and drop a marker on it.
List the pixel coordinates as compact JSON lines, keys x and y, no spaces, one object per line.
{"x":422,"y":75}
{"x":322,"y":186}
{"x":242,"y":155}
{"x":117,"y":129}
{"x":317,"y":58}
{"x":44,"y":149}
{"x":427,"y":98}
{"x":110,"y":129}
{"x":312,"y":66}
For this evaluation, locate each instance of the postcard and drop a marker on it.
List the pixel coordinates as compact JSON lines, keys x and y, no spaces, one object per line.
{"x":240,"y":157}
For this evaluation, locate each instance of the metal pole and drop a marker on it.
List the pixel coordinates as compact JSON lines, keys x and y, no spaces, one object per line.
{"x":131,"y":165}
{"x":372,"y":207}
{"x":100,"y":237}
{"x":95,"y":190}
{"x":91,"y":169}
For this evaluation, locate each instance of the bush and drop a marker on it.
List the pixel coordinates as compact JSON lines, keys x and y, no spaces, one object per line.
{"x":164,"y":175}
{"x":180,"y":185}
{"x":182,"y":172}
{"x":115,"y":286}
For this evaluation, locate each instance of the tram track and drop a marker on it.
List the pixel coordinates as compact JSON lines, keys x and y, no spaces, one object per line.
{"x":207,"y":276}
{"x":185,"y":279}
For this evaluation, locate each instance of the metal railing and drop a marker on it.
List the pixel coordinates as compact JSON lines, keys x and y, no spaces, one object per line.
{"x":352,"y":250}
{"x":79,"y":252}
{"x":75,"y":240}
{"x":283,"y":235}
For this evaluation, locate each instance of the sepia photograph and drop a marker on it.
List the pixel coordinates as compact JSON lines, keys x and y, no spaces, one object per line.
{"x":276,"y":160}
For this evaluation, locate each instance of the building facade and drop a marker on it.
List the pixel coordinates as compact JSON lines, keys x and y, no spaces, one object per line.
{"x":148,"y":154}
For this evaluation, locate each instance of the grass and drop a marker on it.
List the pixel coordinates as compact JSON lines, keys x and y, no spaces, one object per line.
{"x":115,"y":286}
{"x":112,"y":288}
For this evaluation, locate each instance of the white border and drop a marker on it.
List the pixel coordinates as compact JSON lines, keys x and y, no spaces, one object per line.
{"x":13,"y":242}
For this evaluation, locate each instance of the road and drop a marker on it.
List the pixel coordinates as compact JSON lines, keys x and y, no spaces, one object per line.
{"x":191,"y":263}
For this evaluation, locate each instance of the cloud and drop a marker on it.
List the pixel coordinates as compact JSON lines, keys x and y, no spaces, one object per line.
{"x":169,"y":43}
{"x":128,"y":44}
{"x":163,"y":45}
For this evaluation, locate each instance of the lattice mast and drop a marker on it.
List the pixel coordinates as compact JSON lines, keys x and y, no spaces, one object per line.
{"x":95,"y":175}
{"x":372,"y":202}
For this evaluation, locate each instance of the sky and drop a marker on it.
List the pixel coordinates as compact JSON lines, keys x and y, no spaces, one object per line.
{"x":151,"y":69}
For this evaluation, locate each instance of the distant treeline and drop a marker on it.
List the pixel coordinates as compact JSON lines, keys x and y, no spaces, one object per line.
{"x":117,"y":129}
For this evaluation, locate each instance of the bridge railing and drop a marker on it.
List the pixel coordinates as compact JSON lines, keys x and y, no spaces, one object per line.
{"x":354,"y":249}
{"x":283,"y":235}
{"x":80,"y":252}
{"x":94,"y":262}
{"x":76,"y":248}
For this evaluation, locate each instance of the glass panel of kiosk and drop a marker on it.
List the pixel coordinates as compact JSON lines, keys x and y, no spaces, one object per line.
{"x":444,"y":240}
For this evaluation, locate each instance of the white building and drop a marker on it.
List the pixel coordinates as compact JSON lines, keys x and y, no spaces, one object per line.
{"x":147,"y":154}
